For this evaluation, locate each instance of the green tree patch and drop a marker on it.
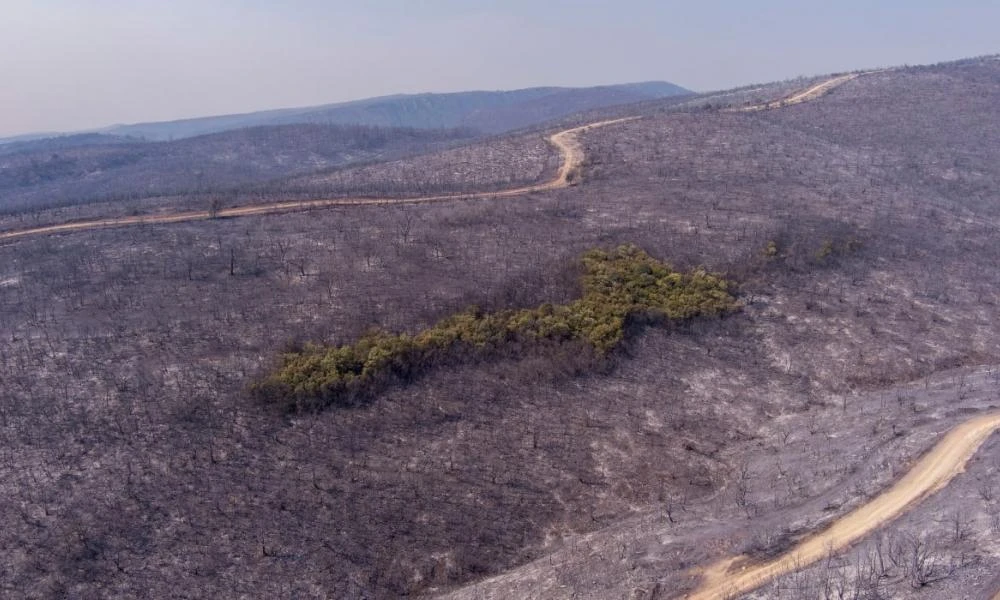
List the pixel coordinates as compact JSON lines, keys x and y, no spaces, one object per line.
{"x":618,"y":286}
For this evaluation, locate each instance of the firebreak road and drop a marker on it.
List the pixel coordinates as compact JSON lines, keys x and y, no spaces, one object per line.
{"x":734,"y":576}
{"x":820,"y":89}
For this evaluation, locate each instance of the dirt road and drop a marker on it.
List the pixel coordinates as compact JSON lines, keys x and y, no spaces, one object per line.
{"x":805,"y":95}
{"x":735,"y":576}
{"x":565,"y":141}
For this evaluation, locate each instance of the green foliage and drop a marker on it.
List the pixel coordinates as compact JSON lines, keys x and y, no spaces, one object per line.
{"x":825,"y":250}
{"x":771,"y":250}
{"x":623,"y":284}
{"x":833,"y":248}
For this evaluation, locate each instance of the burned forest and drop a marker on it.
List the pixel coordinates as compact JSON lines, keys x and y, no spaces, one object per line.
{"x":741,"y":317}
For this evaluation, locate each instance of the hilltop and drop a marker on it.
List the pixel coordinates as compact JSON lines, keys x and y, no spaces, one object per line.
{"x":482,"y":111}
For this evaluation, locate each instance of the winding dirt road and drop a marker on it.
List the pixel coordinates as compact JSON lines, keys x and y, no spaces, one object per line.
{"x":734,"y":576}
{"x":565,"y":141}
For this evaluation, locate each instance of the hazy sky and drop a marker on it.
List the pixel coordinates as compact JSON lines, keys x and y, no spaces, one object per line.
{"x":75,"y":64}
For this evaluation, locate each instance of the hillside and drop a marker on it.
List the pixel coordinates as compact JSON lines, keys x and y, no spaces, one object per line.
{"x":256,"y":152}
{"x":100,"y":168}
{"x":859,"y":227}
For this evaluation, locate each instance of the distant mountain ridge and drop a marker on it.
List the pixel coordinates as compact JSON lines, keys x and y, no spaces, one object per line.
{"x":484,"y":111}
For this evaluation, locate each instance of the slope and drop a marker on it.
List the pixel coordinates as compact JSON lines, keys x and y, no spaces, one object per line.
{"x":93,"y":168}
{"x":899,"y":161}
{"x":564,"y":141}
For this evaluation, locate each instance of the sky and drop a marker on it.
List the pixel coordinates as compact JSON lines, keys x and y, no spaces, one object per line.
{"x":68,"y":65}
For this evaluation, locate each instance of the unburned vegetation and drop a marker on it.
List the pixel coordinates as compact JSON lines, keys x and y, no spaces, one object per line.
{"x":619,"y":286}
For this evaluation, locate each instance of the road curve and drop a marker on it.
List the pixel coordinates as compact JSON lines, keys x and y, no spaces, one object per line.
{"x":734,"y":576}
{"x":565,"y":141}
